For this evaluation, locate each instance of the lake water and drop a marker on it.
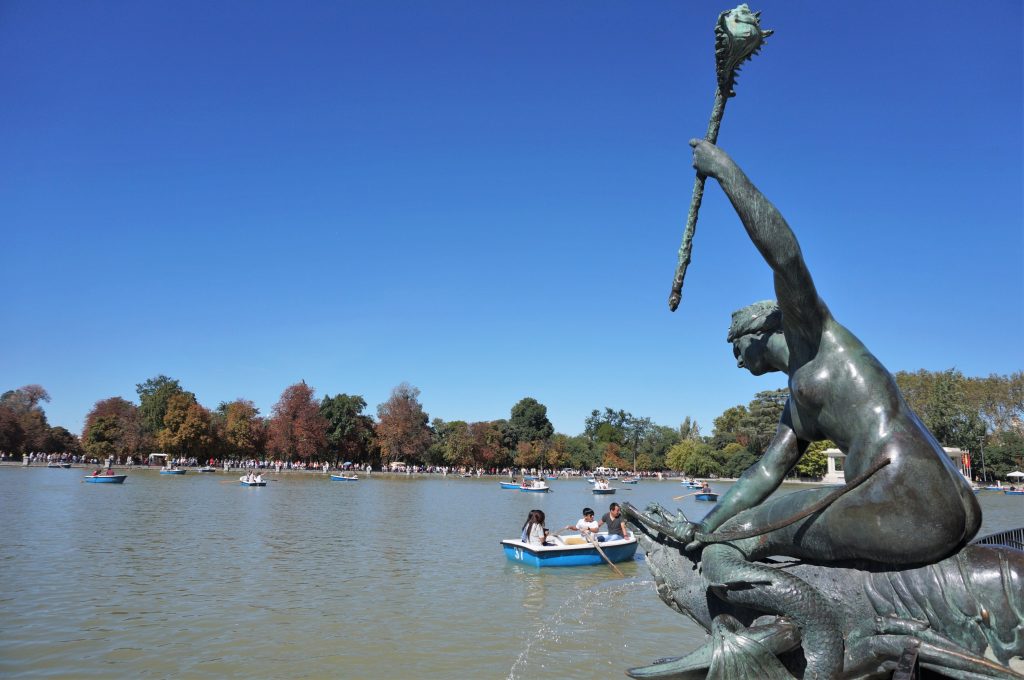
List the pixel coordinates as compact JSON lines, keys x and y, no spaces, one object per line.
{"x":196,"y":576}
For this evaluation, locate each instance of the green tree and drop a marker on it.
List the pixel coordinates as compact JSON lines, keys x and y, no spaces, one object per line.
{"x":529,"y":421}
{"x":757,"y":428}
{"x":455,"y":442}
{"x":153,"y":397}
{"x":693,"y":458}
{"x":689,"y":429}
{"x":59,"y":440}
{"x":349,"y":430}
{"x":726,"y":427}
{"x":104,"y":437}
{"x":814,"y":462}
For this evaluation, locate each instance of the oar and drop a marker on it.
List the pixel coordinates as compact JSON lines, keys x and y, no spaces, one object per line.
{"x":676,"y":498}
{"x":593,"y":541}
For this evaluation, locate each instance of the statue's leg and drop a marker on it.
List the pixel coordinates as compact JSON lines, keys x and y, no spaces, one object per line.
{"x":761,"y":587}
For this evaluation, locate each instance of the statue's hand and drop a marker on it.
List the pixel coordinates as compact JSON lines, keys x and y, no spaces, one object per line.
{"x":686,"y":534}
{"x":708,"y":159}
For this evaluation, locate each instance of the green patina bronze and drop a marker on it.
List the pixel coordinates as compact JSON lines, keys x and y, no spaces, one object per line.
{"x":738,"y":37}
{"x":879,"y":564}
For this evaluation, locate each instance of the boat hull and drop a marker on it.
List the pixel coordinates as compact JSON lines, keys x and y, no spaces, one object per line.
{"x":710,"y":497}
{"x":1014,"y":493}
{"x":509,"y":485}
{"x":173,"y":472}
{"x":603,"y":492}
{"x":106,"y":479}
{"x":253,"y":483}
{"x":342,"y":478}
{"x":581,"y":555}
{"x":526,"y":490}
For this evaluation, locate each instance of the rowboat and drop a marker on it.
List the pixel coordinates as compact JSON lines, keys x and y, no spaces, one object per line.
{"x":253,"y":483}
{"x":571,"y":551}
{"x":602,"y":488}
{"x":207,"y":468}
{"x":105,"y":479}
{"x":245,"y":481}
{"x":711,"y":497}
{"x":344,"y":478}
{"x":509,"y":485}
{"x":58,"y":465}
{"x":1013,"y":493}
{"x":534,"y":486}
{"x":551,"y":477}
{"x":629,"y":480}
{"x":173,"y":471}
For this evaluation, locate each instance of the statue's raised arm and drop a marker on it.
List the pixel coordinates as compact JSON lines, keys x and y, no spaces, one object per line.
{"x":804,"y":313}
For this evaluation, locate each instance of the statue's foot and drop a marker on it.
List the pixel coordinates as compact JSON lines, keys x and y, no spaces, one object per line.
{"x":876,"y":646}
{"x":732,"y":652}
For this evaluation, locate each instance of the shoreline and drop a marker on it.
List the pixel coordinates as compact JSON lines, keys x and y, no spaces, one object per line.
{"x":374,"y":474}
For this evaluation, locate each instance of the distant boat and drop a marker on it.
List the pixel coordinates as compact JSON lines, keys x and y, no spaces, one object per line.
{"x":1013,"y":493}
{"x":105,"y":479}
{"x":245,"y":481}
{"x":207,"y":468}
{"x":172,"y":471}
{"x":573,"y":551}
{"x":629,"y":480}
{"x":509,"y":485}
{"x":58,"y":465}
{"x":534,"y":486}
{"x":344,"y":478}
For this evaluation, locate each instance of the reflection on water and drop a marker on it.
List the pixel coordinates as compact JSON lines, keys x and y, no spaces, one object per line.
{"x":196,"y":576}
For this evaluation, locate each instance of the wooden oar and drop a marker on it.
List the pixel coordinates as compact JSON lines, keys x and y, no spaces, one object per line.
{"x":593,"y":542}
{"x":676,"y":498}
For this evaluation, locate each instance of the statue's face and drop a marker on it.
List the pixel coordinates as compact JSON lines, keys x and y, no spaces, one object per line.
{"x":752,"y":353}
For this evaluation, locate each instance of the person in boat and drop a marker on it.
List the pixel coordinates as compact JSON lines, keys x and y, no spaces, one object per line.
{"x":534,"y":532}
{"x":96,"y":473}
{"x":705,"y":488}
{"x":617,"y":529}
{"x":586,"y":525}
{"x":259,"y":478}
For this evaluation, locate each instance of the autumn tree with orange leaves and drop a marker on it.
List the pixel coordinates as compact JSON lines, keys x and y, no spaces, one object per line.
{"x":402,"y":431}
{"x":297,"y":430}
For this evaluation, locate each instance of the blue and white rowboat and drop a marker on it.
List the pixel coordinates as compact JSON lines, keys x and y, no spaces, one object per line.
{"x":105,"y":479}
{"x":1013,"y":493}
{"x":711,"y":497}
{"x":509,"y":485}
{"x":535,"y":486}
{"x":573,"y":551}
{"x":175,"y":471}
{"x":344,"y":478}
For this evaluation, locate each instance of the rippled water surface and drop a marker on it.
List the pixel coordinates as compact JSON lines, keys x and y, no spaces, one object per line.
{"x":196,"y":576}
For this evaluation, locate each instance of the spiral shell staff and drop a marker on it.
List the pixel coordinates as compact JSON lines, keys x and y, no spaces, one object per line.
{"x":738,"y":37}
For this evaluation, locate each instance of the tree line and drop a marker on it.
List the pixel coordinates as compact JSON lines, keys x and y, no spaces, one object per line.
{"x":984,"y":416}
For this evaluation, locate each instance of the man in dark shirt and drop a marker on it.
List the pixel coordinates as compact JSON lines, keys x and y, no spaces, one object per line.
{"x":617,"y":529}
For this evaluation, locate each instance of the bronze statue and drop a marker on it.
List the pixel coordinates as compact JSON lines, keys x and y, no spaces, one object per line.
{"x":904,"y":505}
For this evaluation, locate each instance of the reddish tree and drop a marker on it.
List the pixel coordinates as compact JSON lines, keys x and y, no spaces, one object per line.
{"x":402,"y":431}
{"x":296,"y":426}
{"x":126,"y":415}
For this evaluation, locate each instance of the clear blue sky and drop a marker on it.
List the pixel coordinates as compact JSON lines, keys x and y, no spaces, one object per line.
{"x":485,"y":199}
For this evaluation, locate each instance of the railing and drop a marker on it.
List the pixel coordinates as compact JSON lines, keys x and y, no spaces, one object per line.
{"x":1012,"y":537}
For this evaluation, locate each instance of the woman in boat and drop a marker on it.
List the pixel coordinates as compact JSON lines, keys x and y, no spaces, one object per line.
{"x":905,"y":504}
{"x":534,"y":532}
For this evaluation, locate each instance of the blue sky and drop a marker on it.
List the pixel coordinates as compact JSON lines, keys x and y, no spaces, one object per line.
{"x":485,"y":199}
